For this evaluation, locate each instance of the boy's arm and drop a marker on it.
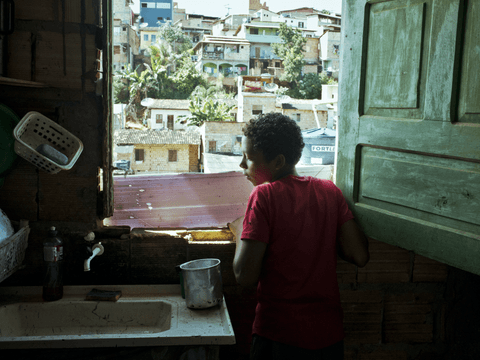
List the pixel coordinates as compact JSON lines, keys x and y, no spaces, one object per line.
{"x":247,"y":262}
{"x":352,"y":244}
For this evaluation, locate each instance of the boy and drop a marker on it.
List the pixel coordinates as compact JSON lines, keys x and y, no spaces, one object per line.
{"x":292,"y":230}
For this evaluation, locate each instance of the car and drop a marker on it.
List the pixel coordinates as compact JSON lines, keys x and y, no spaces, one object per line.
{"x":122,"y":167}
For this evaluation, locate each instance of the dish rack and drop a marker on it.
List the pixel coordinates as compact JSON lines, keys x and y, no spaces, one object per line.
{"x":12,"y":251}
{"x":36,"y":129}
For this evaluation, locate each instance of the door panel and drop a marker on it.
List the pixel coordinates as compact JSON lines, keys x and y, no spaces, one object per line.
{"x":409,"y":129}
{"x":469,"y":104}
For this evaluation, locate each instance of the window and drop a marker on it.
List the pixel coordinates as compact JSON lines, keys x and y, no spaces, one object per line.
{"x":296,"y":117}
{"x":160,"y":18}
{"x":212,"y":146}
{"x":168,"y":18}
{"x":170,"y":122}
{"x":145,"y":37}
{"x":277,"y":64}
{"x":257,"y":109}
{"x":301,"y":24}
{"x":144,"y":5}
{"x":116,"y":49}
{"x":154,"y":37}
{"x":253,"y":31}
{"x":139,"y":154}
{"x":172,"y":155}
{"x":159,"y":119}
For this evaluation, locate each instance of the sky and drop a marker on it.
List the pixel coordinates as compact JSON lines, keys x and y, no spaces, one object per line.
{"x":218,"y":8}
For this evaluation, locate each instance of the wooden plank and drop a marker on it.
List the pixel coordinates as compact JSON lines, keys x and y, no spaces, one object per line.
{"x":469,"y":104}
{"x":18,"y":82}
{"x":18,"y":195}
{"x":57,"y":200}
{"x":446,"y":187}
{"x":36,"y":10}
{"x":394,"y":54}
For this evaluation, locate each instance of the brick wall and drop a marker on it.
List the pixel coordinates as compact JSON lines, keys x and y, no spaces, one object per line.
{"x":307,"y":118}
{"x":251,"y":99}
{"x":400,"y":306}
{"x":224,"y":134}
{"x":156,"y":158}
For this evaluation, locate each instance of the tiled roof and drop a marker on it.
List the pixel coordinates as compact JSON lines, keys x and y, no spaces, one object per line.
{"x":181,"y":104}
{"x":156,"y":137}
{"x":170,"y":104}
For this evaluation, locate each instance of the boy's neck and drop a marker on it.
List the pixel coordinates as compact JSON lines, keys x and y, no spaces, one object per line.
{"x":284,"y":173}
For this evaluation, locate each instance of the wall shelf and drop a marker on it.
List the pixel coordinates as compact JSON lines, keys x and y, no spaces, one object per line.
{"x":17,"y":82}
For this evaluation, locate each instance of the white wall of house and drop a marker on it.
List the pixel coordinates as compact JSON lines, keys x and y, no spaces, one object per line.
{"x":163,"y":114}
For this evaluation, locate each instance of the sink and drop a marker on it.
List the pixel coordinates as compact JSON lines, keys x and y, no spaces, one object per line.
{"x":145,"y":315}
{"x":84,"y":318}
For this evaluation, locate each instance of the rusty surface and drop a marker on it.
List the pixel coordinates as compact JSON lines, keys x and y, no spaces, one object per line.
{"x":179,"y":201}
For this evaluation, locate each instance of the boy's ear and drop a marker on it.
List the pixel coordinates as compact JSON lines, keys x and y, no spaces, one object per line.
{"x":280,"y":161}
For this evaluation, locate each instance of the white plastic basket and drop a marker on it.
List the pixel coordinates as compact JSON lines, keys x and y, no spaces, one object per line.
{"x":12,"y":252}
{"x":36,"y":129}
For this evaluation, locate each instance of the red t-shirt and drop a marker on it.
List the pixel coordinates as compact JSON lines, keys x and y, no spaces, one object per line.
{"x":298,"y":297}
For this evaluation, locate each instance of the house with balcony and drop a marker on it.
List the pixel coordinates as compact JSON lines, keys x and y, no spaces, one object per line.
{"x":228,"y":55}
{"x":261,"y":35}
{"x":196,"y":26}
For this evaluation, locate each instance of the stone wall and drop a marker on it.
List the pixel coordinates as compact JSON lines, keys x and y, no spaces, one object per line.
{"x":307,"y":118}
{"x":156,"y":158}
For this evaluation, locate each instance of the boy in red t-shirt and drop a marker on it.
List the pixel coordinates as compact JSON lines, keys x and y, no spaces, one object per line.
{"x":293,"y":229}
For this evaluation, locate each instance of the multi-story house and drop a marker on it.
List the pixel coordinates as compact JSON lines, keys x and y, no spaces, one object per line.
{"x":327,"y":26}
{"x":148,"y":37}
{"x":196,"y":26}
{"x":155,"y":11}
{"x":228,"y":25}
{"x":125,"y":39}
{"x":261,"y":35}
{"x":222,"y":54}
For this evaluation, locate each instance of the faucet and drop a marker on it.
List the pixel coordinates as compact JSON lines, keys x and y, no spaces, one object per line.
{"x":96,"y":250}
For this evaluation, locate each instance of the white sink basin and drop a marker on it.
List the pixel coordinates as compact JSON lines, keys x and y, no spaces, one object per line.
{"x":84,"y":318}
{"x":145,"y":315}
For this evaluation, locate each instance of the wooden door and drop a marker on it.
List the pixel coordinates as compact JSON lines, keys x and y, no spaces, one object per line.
{"x":409,"y":124}
{"x":170,"y":122}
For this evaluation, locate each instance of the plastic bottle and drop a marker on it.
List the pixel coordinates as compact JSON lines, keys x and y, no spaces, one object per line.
{"x":53,"y":257}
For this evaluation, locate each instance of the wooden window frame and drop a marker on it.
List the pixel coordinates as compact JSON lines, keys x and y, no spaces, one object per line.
{"x":140,"y":155}
{"x":172,"y":155}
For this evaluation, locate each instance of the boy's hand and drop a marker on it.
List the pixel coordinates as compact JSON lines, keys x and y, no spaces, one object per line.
{"x":236,"y":227}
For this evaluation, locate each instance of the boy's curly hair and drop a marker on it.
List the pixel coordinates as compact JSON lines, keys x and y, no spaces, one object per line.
{"x":275,"y":134}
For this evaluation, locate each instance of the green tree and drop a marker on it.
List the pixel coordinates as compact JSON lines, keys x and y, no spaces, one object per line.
{"x":207,"y":104}
{"x":290,"y":50}
{"x":174,"y":37}
{"x":310,"y":86}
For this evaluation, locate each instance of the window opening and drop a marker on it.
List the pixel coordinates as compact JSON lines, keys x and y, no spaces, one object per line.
{"x":212,"y":146}
{"x":139,"y":154}
{"x":169,"y":155}
{"x":172,"y":155}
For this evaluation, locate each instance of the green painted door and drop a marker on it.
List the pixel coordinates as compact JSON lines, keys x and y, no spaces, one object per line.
{"x":409,"y":124}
